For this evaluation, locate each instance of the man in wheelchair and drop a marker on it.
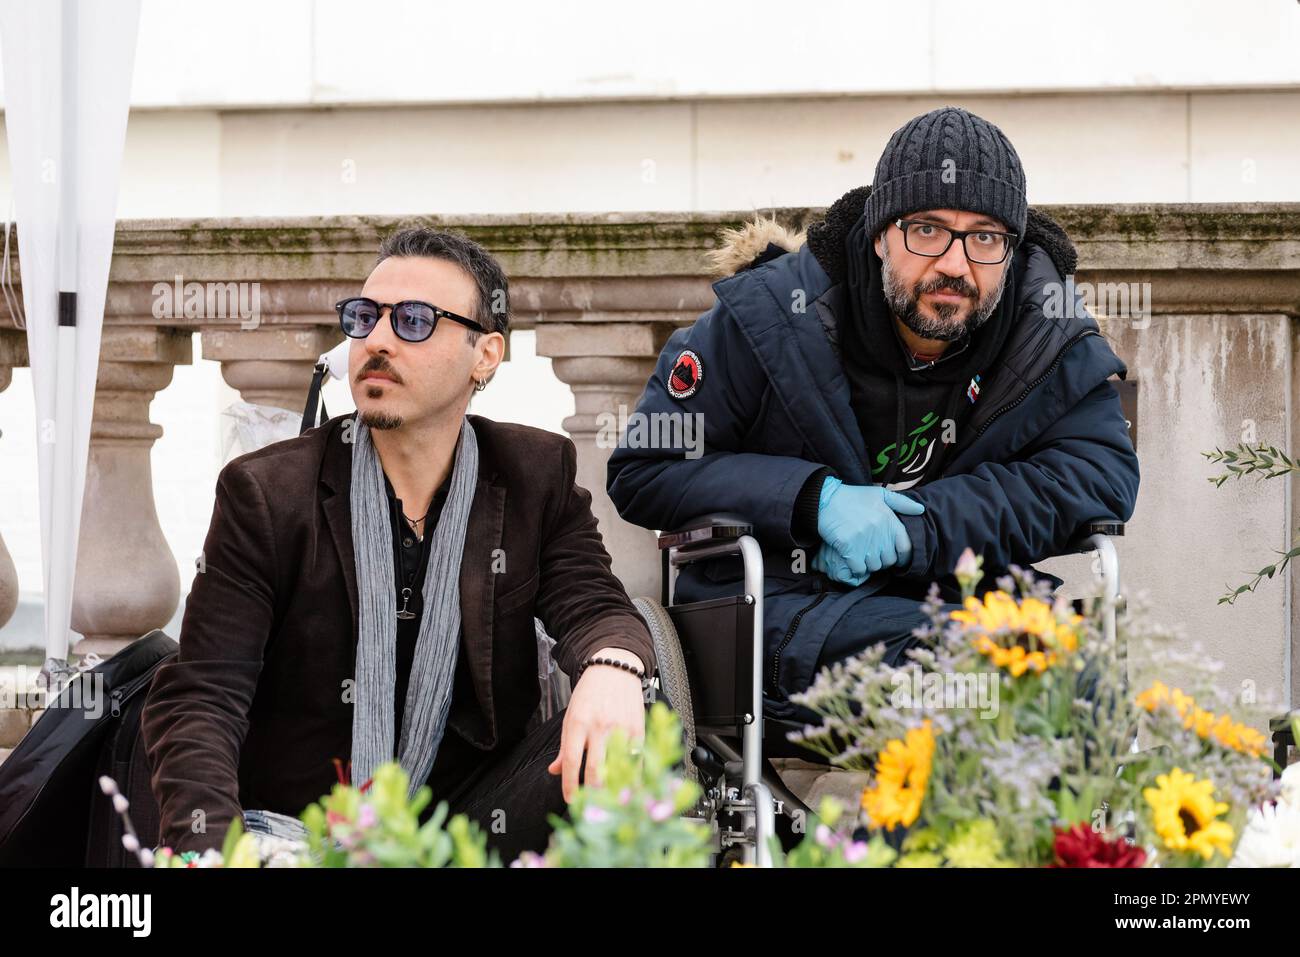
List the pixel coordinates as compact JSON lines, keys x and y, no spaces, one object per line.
{"x":904,"y":382}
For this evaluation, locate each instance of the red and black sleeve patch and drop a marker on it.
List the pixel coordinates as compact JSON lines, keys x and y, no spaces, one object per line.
{"x":687,"y":374}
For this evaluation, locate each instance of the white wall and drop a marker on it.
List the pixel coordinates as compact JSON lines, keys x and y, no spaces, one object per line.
{"x":298,"y":52}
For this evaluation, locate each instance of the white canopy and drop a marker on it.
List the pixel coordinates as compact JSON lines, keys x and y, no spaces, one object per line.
{"x":67,"y":76}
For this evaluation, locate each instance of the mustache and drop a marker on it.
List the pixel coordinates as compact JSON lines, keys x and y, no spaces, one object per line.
{"x":378,"y":365}
{"x":946,"y":284}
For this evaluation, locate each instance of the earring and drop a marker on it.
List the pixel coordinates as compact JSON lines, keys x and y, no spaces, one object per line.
{"x":480,"y":385}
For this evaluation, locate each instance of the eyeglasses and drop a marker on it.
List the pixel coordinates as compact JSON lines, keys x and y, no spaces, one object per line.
{"x":989,"y":248}
{"x":413,"y":320}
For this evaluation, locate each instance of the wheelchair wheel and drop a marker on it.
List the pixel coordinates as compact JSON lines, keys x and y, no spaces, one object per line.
{"x":673,"y":681}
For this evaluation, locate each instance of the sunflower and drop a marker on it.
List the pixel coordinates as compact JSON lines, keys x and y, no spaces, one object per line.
{"x":1015,"y":659}
{"x":1185,"y":815}
{"x":1038,"y":636}
{"x":1154,"y":696}
{"x":902,"y":773}
{"x":1238,"y":737}
{"x":1160,"y":694}
{"x":1207,"y":725}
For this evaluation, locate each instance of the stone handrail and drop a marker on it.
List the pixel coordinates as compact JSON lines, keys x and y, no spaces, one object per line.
{"x":604,"y":292}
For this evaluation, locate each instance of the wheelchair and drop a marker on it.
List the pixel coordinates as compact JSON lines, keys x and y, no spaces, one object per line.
{"x":710,"y":655}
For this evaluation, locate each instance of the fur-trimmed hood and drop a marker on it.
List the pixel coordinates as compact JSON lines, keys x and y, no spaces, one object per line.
{"x":766,"y":293}
{"x":762,"y":239}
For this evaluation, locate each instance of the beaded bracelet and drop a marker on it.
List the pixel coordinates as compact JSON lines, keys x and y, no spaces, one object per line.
{"x":647,"y":687}
{"x":615,"y":663}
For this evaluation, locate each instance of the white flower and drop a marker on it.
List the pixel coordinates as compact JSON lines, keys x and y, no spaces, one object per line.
{"x":1291,"y":785}
{"x":969,"y":567}
{"x":1271,"y":837}
{"x":279,"y":851}
{"x":966,"y":563}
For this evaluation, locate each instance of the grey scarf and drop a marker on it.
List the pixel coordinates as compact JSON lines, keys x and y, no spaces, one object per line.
{"x":428,"y":696}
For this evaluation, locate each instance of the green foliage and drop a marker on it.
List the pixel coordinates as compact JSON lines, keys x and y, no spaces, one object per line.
{"x":1264,"y":462}
{"x":831,"y":843}
{"x":1268,"y":571}
{"x":239,"y":849}
{"x":1008,"y":772}
{"x":381,"y":828}
{"x":634,"y":819}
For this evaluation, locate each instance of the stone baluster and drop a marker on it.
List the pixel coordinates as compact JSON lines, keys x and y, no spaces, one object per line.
{"x":271,"y":365}
{"x":606,"y":365}
{"x":13,"y":352}
{"x":127,"y":583}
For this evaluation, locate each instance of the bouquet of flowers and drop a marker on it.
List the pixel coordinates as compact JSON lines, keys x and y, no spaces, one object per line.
{"x":379,"y":826}
{"x":1010,"y":738}
{"x":833,"y":842}
{"x":636,"y":817}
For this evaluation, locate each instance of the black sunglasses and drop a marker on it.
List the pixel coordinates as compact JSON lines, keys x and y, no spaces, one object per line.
{"x":413,"y":320}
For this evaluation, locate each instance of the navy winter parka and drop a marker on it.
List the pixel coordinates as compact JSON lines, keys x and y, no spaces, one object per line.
{"x":1044,"y":449}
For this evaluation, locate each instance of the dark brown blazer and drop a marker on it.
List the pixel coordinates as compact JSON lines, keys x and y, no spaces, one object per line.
{"x":257,"y":707}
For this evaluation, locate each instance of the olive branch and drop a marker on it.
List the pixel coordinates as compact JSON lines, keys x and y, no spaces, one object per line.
{"x":1264,"y":462}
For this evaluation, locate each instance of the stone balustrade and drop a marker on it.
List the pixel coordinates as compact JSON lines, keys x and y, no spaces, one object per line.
{"x":1214,"y":362}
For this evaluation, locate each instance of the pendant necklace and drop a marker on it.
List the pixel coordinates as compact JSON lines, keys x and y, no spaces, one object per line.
{"x":403,"y":613}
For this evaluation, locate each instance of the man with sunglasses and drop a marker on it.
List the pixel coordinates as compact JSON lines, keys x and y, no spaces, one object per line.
{"x":368,"y":590}
{"x":904,"y":384}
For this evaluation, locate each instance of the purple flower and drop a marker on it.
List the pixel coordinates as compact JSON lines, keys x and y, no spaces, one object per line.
{"x":529,"y":859}
{"x":824,"y":836}
{"x":595,"y":815}
{"x":624,"y":796}
{"x":855,"y":851}
{"x":366,"y":817}
{"x":659,"y":810}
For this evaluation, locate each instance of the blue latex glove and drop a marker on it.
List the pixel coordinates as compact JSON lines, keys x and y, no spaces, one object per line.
{"x":861,"y":531}
{"x":828,"y":562}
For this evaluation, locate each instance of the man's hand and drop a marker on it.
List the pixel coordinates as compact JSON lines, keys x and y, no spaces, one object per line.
{"x":861,"y":531}
{"x":604,"y":699}
{"x":832,"y":564}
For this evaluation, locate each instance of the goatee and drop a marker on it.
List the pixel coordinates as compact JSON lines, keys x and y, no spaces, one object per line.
{"x":381,"y":420}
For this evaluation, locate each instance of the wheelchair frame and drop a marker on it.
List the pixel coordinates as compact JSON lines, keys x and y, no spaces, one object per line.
{"x":687,"y":668}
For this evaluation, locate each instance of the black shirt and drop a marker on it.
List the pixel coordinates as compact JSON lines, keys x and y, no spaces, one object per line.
{"x":410,"y":559}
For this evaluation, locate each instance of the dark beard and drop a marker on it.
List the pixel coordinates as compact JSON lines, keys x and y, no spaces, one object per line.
{"x":383,"y":421}
{"x":905,"y":304}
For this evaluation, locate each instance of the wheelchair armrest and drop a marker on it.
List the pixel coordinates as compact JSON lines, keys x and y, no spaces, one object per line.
{"x":1079,"y":543}
{"x":711,"y":529}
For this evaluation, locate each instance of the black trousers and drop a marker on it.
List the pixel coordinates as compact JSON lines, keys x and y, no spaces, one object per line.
{"x":512,"y":796}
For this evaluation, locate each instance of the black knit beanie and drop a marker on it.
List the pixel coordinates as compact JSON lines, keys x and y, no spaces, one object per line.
{"x":948,"y":159}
